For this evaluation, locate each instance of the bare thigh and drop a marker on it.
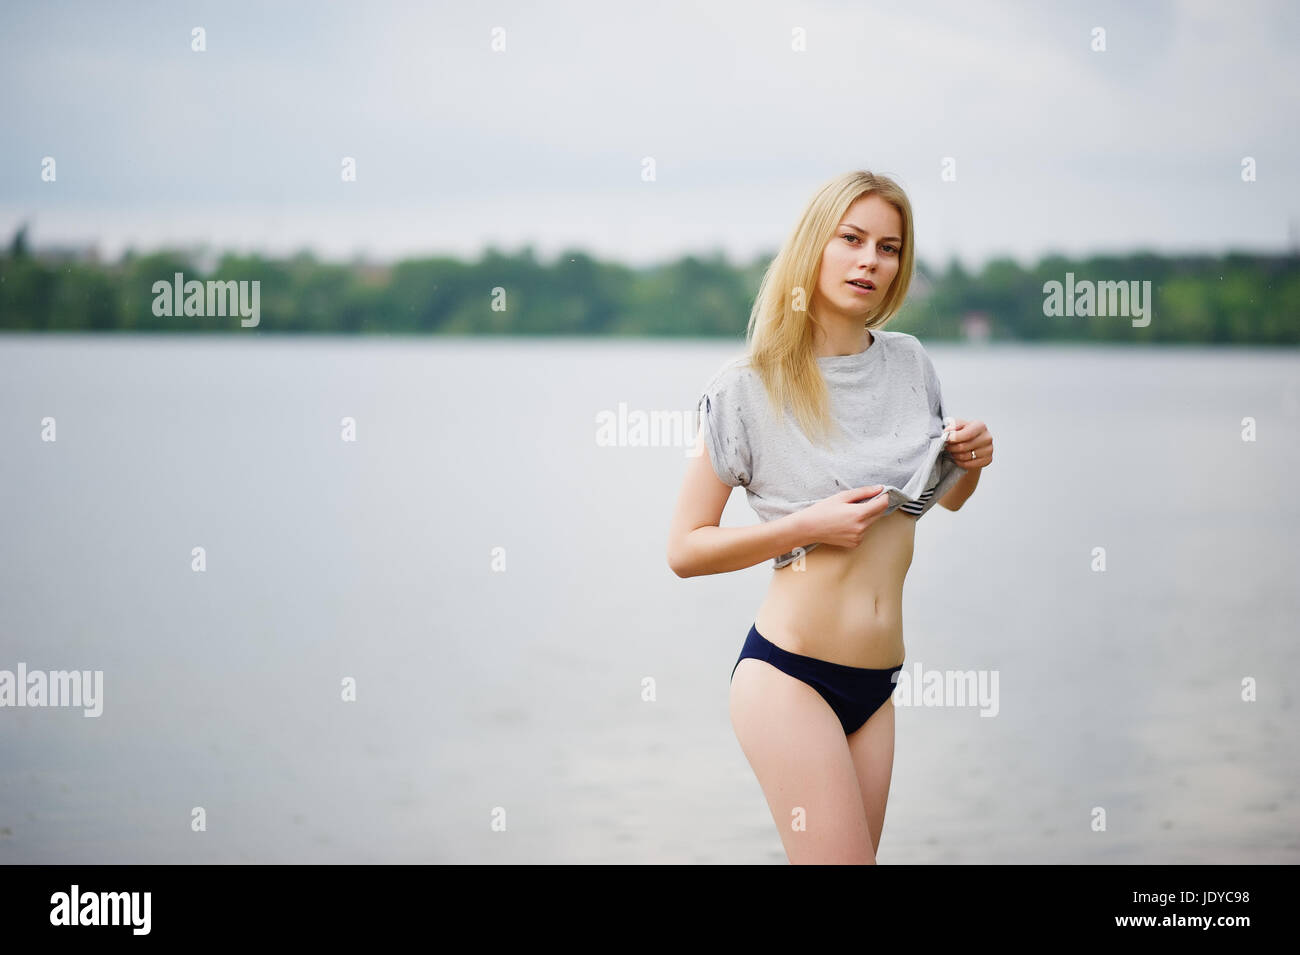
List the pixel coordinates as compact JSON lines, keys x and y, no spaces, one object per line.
{"x":797,"y":749}
{"x":872,"y":748}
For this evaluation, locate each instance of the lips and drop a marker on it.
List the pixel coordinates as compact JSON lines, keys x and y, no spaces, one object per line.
{"x":863,"y":283}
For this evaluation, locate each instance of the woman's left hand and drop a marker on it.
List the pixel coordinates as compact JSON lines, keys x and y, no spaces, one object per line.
{"x":965,"y":437}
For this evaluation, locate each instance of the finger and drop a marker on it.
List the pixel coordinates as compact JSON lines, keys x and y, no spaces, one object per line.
{"x":978,"y":443}
{"x":877,"y":503}
{"x":965,"y":459}
{"x":871,"y":496}
{"x":962,"y":432}
{"x":861,"y":493}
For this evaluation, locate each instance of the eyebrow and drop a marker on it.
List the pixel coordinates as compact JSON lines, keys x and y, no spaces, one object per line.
{"x":850,"y":225}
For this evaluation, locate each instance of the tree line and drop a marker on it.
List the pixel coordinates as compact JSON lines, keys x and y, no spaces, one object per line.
{"x":1238,"y":298}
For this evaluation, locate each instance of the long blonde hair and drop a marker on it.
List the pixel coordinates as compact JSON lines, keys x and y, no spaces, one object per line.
{"x":780,"y":335}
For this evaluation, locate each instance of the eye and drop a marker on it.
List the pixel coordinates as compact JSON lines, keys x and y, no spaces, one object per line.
{"x":893,"y":249}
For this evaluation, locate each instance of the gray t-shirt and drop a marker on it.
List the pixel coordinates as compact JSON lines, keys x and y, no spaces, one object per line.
{"x":888,"y":410}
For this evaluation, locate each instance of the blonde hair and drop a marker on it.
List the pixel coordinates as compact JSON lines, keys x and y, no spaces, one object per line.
{"x":780,"y":336}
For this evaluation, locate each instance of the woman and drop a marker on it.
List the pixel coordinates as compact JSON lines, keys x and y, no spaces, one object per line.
{"x":835,"y":427}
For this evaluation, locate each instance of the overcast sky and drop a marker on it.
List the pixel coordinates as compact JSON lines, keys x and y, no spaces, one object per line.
{"x":1056,"y":147}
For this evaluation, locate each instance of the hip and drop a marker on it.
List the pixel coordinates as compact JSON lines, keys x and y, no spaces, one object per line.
{"x":852,"y":634}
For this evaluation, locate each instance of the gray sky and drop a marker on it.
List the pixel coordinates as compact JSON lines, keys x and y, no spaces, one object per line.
{"x":1057,"y":147}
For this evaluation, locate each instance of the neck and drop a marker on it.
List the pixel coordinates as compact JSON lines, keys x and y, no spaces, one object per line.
{"x":845,"y":339}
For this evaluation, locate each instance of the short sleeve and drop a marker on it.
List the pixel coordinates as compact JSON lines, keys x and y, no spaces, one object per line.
{"x":932,"y":387}
{"x":722,"y":423}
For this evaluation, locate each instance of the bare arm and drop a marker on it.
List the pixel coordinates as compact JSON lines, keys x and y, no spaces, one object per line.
{"x":698,"y":546}
{"x":962,"y":490}
{"x":968,"y":439}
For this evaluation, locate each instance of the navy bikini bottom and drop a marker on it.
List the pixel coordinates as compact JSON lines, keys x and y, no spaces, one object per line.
{"x":854,"y":693}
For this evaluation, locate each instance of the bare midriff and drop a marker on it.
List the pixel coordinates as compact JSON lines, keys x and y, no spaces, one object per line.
{"x":846,"y":604}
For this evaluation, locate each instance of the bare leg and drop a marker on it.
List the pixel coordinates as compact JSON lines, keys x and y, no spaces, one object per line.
{"x":872,"y":748}
{"x":797,"y":749}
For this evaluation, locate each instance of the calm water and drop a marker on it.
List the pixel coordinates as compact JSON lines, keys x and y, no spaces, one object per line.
{"x":521,"y":688}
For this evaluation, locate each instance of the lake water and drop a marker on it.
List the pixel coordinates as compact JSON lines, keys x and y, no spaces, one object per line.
{"x":486,"y":691}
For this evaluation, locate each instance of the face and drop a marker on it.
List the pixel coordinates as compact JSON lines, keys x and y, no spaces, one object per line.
{"x":866,"y":247}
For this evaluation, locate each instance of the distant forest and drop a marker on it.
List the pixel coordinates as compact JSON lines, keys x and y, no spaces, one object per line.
{"x":1236,"y":298}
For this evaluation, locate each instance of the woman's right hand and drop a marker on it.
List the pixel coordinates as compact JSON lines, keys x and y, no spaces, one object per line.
{"x":843,"y":518}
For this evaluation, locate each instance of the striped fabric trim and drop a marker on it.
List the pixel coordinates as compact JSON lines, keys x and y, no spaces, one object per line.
{"x":919,"y":506}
